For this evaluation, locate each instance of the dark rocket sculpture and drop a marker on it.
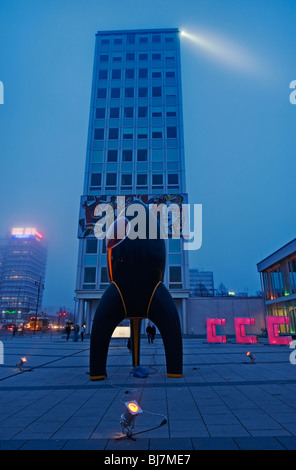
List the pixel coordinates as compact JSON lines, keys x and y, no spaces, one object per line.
{"x":136,"y":291}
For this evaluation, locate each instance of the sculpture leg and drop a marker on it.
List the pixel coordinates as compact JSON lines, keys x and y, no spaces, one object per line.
{"x":109,"y":313}
{"x":163,"y":312}
{"x":135,"y":340}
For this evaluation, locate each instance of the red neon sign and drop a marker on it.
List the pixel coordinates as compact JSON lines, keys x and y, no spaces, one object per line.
{"x":272,"y":324}
{"x":212,"y":337}
{"x":240,"y":330}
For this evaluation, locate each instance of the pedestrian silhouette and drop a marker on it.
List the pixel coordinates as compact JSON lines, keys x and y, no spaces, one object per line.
{"x":149,"y":333}
{"x":68,"y":331}
{"x":153,"y":333}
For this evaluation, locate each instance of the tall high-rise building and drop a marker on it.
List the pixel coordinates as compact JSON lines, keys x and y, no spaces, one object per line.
{"x":22,"y":269}
{"x":135,"y":147}
{"x":201,"y":283}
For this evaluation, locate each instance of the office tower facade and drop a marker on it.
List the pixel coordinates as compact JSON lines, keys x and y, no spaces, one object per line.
{"x":135,"y":148}
{"x":23,"y":266}
{"x":201,"y":283}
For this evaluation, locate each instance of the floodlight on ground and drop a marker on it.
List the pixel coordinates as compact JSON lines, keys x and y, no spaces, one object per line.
{"x":21,"y":363}
{"x":127,"y":419}
{"x":250,"y":356}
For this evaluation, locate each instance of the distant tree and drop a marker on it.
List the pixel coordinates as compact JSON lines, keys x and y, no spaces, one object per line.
{"x":201,"y":291}
{"x":222,"y":290}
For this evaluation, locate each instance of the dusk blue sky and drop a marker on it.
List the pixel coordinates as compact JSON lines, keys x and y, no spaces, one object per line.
{"x":239,"y":125}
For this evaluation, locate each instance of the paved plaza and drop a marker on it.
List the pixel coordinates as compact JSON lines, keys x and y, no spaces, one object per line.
{"x":223,"y":400}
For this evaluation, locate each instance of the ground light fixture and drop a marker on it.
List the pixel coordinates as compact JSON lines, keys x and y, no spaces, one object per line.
{"x":127,"y":419}
{"x":21,"y":363}
{"x":250,"y":356}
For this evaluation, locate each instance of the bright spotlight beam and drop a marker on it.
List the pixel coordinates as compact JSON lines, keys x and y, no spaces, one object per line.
{"x":226,"y":52}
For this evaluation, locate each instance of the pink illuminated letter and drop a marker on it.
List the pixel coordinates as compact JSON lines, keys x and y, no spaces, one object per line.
{"x":272,"y":324}
{"x":211,"y":330}
{"x":240,"y":330}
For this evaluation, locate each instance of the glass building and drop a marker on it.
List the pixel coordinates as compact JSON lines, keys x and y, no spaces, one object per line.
{"x":135,"y":147}
{"x":201,"y":283}
{"x":278,"y":279}
{"x":22,"y":269}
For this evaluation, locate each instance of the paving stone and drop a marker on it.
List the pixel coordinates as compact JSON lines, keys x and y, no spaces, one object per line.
{"x":171,"y":444}
{"x":11,"y":445}
{"x":41,"y":444}
{"x":259,"y":443}
{"x":127,"y":444}
{"x":288,"y":442}
{"x":214,"y":443}
{"x":85,"y":444}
